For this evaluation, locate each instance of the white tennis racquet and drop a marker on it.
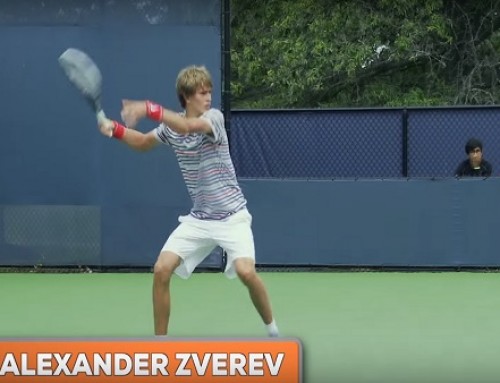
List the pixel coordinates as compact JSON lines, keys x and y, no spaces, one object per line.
{"x":84,"y":74}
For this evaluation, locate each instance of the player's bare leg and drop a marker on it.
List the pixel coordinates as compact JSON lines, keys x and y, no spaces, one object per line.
{"x":163,"y":270}
{"x":245,"y":269}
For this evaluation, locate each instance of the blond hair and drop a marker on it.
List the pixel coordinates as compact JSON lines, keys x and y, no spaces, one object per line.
{"x":190,"y":79}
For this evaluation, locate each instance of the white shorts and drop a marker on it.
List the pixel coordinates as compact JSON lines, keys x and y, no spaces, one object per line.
{"x":194,"y":239}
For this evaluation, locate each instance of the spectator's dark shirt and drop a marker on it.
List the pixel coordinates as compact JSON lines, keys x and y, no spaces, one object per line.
{"x":466,"y":170}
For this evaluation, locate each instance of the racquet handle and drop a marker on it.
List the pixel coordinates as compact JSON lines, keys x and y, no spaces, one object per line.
{"x":101,"y":117}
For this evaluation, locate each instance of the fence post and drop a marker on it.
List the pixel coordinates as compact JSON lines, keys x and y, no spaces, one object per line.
{"x":226,"y":64}
{"x":405,"y":143}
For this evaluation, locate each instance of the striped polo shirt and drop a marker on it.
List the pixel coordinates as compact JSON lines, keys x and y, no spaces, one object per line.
{"x":207,"y":168}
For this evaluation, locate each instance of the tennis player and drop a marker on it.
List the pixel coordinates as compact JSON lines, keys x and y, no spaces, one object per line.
{"x":219,"y":215}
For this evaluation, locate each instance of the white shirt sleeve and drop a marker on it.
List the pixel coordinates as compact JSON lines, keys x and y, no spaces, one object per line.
{"x":216,"y":120}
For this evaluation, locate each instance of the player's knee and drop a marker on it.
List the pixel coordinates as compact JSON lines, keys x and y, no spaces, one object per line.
{"x":165,"y":265}
{"x":245,"y":271}
{"x":163,"y":271}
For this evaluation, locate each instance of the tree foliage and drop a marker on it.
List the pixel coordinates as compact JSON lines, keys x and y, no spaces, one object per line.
{"x":324,"y":53}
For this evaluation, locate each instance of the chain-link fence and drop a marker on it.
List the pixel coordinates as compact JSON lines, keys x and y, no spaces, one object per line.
{"x":50,"y":235}
{"x":437,"y":137}
{"x":66,"y":237}
{"x":379,"y":143}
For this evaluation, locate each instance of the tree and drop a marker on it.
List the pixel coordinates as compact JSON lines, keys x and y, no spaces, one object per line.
{"x":474,"y":58}
{"x":319,"y":53}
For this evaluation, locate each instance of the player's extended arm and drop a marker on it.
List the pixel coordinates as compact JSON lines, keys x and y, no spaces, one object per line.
{"x":133,"y":111}
{"x":133,"y":138}
{"x":184,"y":125}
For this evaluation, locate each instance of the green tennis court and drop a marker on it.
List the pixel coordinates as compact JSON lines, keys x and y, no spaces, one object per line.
{"x":355,"y":327}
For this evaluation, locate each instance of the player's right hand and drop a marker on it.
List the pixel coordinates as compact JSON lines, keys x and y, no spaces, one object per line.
{"x":106,"y":127}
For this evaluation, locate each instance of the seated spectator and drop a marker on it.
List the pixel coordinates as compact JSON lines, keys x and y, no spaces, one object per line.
{"x":475,"y":165}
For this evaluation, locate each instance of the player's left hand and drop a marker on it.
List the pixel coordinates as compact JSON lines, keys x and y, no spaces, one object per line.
{"x":132,"y":112}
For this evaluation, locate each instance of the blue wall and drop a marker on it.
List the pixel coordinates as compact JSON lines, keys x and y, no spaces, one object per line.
{"x":445,"y":222}
{"x":68,"y":194}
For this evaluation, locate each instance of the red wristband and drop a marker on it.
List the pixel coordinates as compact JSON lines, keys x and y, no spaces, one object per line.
{"x":154,"y":111}
{"x":118,"y":131}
